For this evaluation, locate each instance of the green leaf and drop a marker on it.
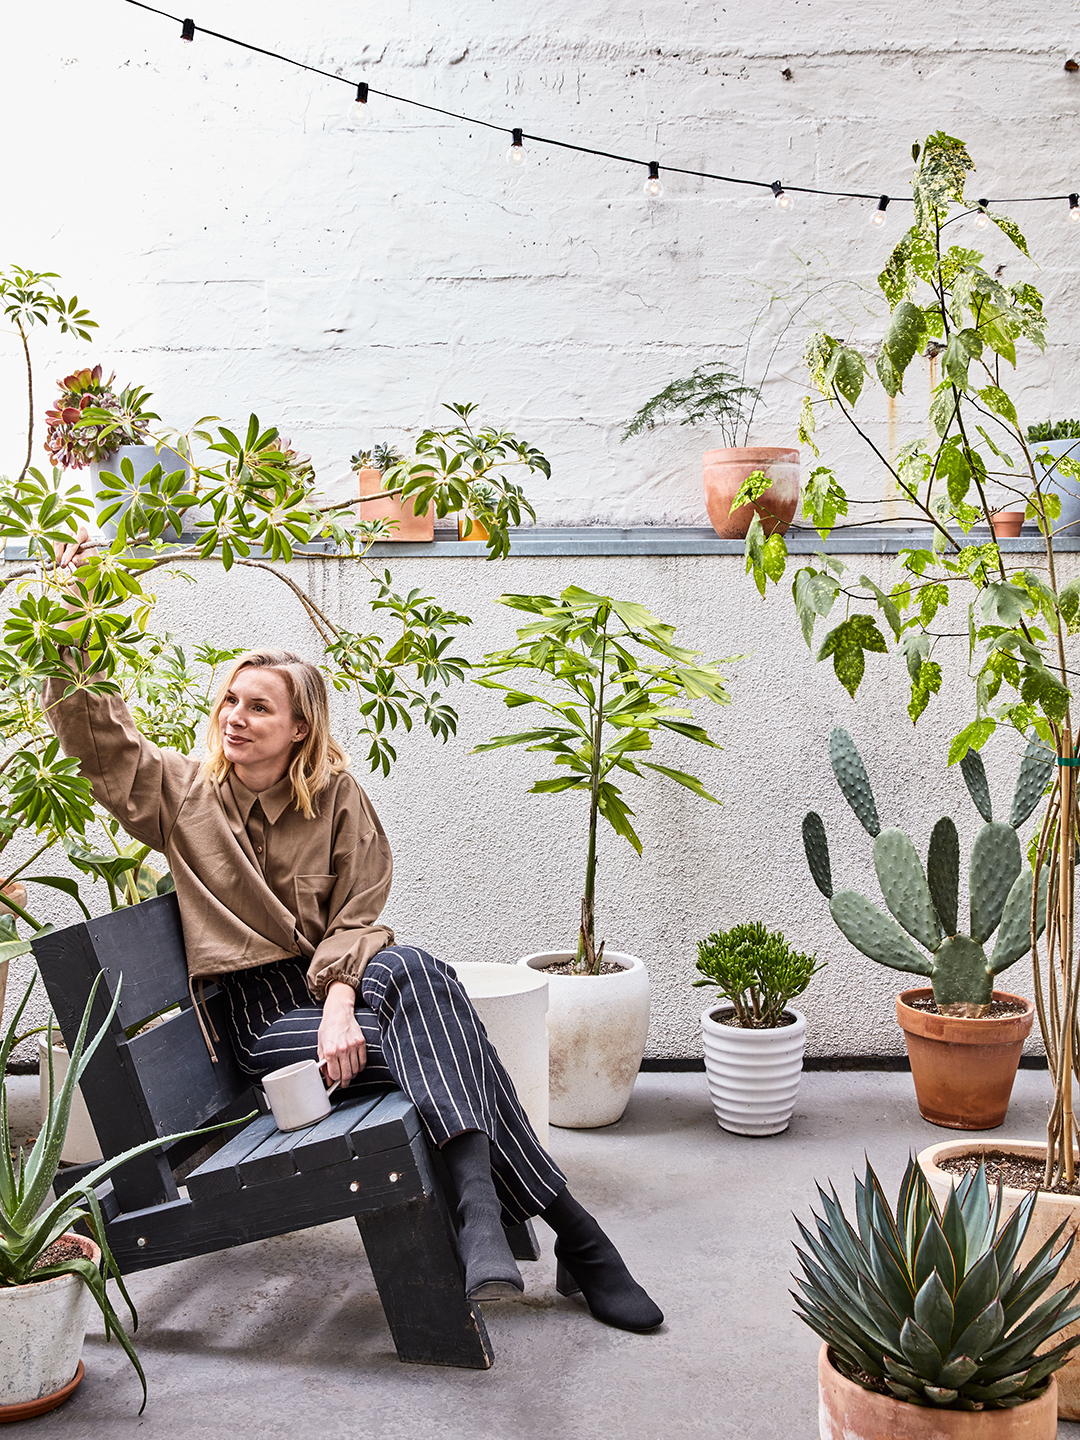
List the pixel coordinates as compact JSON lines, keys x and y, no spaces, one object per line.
{"x":995,"y":399}
{"x":907,"y":326}
{"x":1009,"y":227}
{"x":814,"y":592}
{"x":846,"y":372}
{"x":926,"y":683}
{"x":766,"y":558}
{"x":972,"y":737}
{"x":681,"y":778}
{"x":847,"y":644}
{"x":887,"y":604}
{"x":823,"y":498}
{"x":1069,"y":605}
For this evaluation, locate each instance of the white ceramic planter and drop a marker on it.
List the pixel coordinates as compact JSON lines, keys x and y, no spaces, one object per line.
{"x":597,"y":1029}
{"x":753,"y":1075}
{"x":512,"y":1004}
{"x":81,"y":1144}
{"x":42,"y":1328}
{"x":143,"y":458}
{"x":1067,"y":490}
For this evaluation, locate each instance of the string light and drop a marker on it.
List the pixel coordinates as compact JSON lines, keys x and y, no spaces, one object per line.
{"x":878,"y":217}
{"x":360,"y":106}
{"x":783,"y":200}
{"x":653,"y":186}
{"x":1074,"y":207}
{"x":982,"y":219}
{"x":516,"y":154}
{"x":187,"y":30}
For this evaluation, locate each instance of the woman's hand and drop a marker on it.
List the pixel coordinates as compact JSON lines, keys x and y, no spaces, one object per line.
{"x":75,"y":552}
{"x":342,"y":1050}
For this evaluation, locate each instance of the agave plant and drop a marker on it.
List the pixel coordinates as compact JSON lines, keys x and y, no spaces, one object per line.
{"x":29,"y":1224}
{"x":932,"y":1305}
{"x":925,"y":902}
{"x":91,"y":421}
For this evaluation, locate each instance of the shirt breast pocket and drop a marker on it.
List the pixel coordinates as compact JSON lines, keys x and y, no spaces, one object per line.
{"x":313,"y":904}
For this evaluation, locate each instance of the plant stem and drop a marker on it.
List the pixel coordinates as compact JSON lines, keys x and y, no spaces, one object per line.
{"x":587,"y":960}
{"x":29,"y":401}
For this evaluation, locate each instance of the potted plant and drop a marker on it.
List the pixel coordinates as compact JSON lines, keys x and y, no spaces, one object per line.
{"x":935,"y":1326}
{"x":753,"y":1043}
{"x":963,"y":1056}
{"x":404,"y":523}
{"x":1056,"y":444}
{"x":612,"y":680}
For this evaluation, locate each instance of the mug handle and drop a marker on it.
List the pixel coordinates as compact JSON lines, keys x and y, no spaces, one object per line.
{"x":330,"y":1088}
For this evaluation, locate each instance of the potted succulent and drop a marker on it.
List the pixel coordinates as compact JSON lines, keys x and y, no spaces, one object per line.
{"x":1056,"y":446}
{"x":963,"y":1057}
{"x":935,"y":1325}
{"x":753,"y":1042}
{"x":613,"y":679}
{"x":369,"y":467}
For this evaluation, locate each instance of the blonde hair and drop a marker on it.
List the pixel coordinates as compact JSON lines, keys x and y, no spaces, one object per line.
{"x":318,"y":756}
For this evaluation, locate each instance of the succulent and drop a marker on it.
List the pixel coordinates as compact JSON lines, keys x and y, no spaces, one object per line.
{"x":757,"y":971}
{"x":90,"y":421}
{"x":926,"y":902}
{"x":1054,"y":430}
{"x":931,"y":1305}
{"x":379,"y":457}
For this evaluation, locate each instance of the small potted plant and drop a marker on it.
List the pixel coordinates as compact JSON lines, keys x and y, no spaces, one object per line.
{"x":964,"y":1052}
{"x":369,"y":467}
{"x":613,"y":680}
{"x":1056,"y":447}
{"x":753,"y":1042}
{"x":934,"y":1325}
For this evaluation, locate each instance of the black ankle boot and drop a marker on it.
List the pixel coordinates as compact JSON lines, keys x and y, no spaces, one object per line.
{"x":589,"y":1262}
{"x":490,"y":1270}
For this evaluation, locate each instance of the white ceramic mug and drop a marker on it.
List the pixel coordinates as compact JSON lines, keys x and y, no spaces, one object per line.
{"x":298,"y":1095}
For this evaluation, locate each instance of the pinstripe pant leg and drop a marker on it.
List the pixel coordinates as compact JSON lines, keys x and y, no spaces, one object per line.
{"x":438,"y":1051}
{"x":295,"y":1036}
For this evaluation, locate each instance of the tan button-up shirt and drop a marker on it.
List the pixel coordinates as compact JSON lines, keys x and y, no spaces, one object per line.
{"x":255,"y":880}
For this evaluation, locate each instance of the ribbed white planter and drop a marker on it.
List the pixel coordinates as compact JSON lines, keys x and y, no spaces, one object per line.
{"x":753,"y":1075}
{"x":597,"y":1029}
{"x":42,"y":1328}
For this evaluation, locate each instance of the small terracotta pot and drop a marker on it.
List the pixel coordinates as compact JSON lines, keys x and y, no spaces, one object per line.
{"x":963,"y":1069}
{"x":410,"y":526}
{"x":1007,"y":523}
{"x":848,"y":1412}
{"x":478,"y":531}
{"x":1049,"y":1213}
{"x":722,"y":475}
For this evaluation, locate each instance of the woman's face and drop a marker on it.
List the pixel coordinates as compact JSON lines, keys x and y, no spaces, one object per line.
{"x":258,"y":730}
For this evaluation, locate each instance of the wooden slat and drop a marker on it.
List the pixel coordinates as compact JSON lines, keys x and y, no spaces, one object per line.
{"x":146,"y":944}
{"x":393,"y":1121}
{"x":182,"y":1086}
{"x":273,"y":1160}
{"x":328,"y":1142}
{"x":219,"y":1175}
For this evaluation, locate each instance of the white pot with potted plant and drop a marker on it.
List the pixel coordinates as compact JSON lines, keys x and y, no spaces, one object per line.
{"x":613,"y":679}
{"x":1059,"y":441}
{"x":753,"y":1042}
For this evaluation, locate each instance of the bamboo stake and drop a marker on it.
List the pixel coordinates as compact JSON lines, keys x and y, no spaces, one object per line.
{"x":1066,"y":851}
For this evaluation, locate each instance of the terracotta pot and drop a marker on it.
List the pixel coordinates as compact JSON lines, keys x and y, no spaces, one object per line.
{"x":409,"y":525}
{"x":848,"y":1412}
{"x":1007,"y":523}
{"x":723,"y":472}
{"x":963,"y":1069}
{"x":478,"y":531}
{"x":1049,"y":1212}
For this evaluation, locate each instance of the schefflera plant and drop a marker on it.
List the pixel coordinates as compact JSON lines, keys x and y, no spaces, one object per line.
{"x":926,"y":902}
{"x":931,"y":1305}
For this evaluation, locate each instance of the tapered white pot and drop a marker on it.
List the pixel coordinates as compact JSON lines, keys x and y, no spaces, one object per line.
{"x":597,"y":1029}
{"x":1066,"y":489}
{"x":753,"y":1075}
{"x":42,"y":1328}
{"x":512,"y":1004}
{"x":143,"y":458}
{"x":81,"y":1144}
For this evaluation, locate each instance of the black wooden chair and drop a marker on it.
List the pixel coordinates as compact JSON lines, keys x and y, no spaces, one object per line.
{"x":368,"y":1159}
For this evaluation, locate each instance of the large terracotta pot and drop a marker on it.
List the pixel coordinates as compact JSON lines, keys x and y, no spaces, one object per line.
{"x":848,"y":1412}
{"x":963,"y":1069}
{"x":410,"y":525}
{"x":42,"y":1328}
{"x":1049,"y":1212}
{"x":597,"y":1028}
{"x":722,"y":475}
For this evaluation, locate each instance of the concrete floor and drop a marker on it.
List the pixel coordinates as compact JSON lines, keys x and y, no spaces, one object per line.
{"x":286,"y":1338}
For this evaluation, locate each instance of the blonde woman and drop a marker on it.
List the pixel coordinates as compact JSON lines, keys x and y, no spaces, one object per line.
{"x":282,"y":870}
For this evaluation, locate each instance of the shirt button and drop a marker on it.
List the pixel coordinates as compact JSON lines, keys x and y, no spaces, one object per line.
{"x":258,"y":849}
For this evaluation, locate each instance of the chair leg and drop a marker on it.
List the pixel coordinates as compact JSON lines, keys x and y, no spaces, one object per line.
{"x":522,"y":1241}
{"x":419,"y":1279}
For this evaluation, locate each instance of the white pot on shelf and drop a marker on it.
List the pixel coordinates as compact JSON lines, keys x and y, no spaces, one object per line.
{"x":81,"y":1144}
{"x":143,"y":458}
{"x":512,"y":1004}
{"x":753,"y":1075}
{"x":597,"y":1029}
{"x":42,"y":1329}
{"x":1067,"y":490}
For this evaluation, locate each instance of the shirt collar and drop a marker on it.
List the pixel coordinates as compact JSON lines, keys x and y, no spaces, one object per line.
{"x":274,"y":801}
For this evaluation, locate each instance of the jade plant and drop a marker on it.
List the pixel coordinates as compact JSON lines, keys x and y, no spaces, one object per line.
{"x":925,"y":902}
{"x":931,"y":1305}
{"x":756,"y":971}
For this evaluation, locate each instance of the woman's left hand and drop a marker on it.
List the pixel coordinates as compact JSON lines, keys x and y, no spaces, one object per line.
{"x":342,"y":1049}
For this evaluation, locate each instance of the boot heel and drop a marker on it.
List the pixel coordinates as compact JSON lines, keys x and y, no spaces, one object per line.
{"x":565,"y":1283}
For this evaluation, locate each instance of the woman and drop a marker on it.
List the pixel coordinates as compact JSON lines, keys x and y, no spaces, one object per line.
{"x":282,"y":870}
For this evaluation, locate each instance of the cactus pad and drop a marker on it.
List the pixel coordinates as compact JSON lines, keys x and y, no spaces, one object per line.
{"x":995,"y":864}
{"x":875,"y":934}
{"x":963,"y":984}
{"x":974,"y":773}
{"x":816,"y":844}
{"x":904,"y":888}
{"x":1014,"y":935}
{"x":1036,"y":770}
{"x":853,"y":780}
{"x":943,"y":873}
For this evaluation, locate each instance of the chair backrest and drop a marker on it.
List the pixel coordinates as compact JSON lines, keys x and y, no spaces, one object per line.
{"x":152,"y":1084}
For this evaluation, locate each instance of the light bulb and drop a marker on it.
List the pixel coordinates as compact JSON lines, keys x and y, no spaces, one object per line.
{"x":878,"y":217}
{"x":361,"y":109}
{"x":516,"y":154}
{"x":187,"y":30}
{"x":653,"y":186}
{"x":1074,"y":208}
{"x":783,"y":200}
{"x":982,"y":219}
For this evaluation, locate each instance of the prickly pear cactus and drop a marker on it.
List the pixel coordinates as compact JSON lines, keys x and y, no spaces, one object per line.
{"x":926,"y":902}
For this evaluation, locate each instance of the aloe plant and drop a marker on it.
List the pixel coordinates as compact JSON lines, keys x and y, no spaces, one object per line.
{"x":925,"y":902}
{"x":931,"y":1305}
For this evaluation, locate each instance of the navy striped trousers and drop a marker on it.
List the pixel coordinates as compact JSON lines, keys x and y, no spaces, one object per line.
{"x":422,"y":1035}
